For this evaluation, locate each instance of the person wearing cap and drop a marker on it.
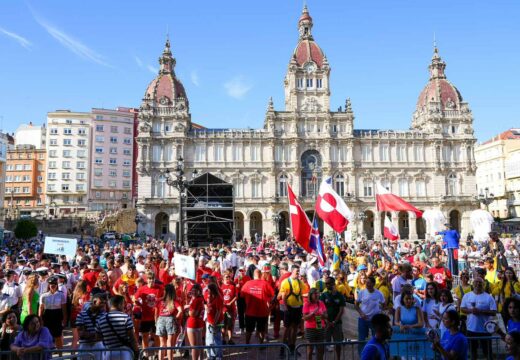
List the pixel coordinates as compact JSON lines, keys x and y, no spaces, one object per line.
{"x":12,"y":290}
{"x":53,"y":311}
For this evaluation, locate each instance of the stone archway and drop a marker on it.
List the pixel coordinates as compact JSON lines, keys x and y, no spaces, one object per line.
{"x":404,"y":225}
{"x":239,"y":226}
{"x":455,"y":220}
{"x":283,"y":225}
{"x":255,"y":225}
{"x":368,"y":224}
{"x":162,"y":225}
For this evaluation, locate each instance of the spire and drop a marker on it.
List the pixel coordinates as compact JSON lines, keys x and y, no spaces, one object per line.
{"x":167,"y":61}
{"x":270,"y":105}
{"x":437,"y":66}
{"x":305,"y":24}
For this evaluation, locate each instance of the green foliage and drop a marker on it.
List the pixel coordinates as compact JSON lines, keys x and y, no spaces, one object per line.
{"x":25,"y":229}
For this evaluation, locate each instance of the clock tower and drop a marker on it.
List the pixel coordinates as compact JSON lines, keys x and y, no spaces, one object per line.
{"x":307,"y":80}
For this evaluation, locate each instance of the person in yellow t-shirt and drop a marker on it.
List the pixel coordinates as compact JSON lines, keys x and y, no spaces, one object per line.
{"x":507,"y":287}
{"x":491,"y":272}
{"x":383,"y":286}
{"x":460,"y":290}
{"x":291,"y":291}
{"x":342,"y":285}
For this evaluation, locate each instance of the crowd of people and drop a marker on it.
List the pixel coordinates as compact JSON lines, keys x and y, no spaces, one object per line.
{"x":115,"y":295}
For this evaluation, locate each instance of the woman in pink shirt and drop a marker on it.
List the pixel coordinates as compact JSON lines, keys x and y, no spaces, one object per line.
{"x":315,"y":317}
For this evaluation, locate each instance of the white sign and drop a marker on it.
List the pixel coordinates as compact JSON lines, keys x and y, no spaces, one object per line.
{"x":60,"y":246}
{"x":184,"y":266}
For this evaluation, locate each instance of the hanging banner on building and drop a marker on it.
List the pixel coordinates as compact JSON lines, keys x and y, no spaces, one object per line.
{"x":60,"y":246}
{"x":184,"y":266}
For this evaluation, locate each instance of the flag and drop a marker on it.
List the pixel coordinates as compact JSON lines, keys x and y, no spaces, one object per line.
{"x":331,"y":208}
{"x":316,"y":244}
{"x":386,"y":201}
{"x":390,"y":231}
{"x":336,"y":259}
{"x":300,"y":224}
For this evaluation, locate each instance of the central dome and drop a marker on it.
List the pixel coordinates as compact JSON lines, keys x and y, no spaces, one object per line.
{"x":439,"y":90}
{"x":166,"y":89}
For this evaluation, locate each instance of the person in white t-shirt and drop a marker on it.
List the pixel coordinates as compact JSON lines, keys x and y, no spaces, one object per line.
{"x":480,"y":307}
{"x":370,"y":302}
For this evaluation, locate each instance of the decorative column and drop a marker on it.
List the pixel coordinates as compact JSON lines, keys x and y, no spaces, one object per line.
{"x":377,"y":226}
{"x":412,"y":226}
{"x":247,"y":230}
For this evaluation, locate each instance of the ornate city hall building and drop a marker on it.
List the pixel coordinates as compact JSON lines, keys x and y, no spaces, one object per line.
{"x":431,"y":165}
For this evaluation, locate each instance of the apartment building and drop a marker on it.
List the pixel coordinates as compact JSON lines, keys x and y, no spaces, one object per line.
{"x":68,"y":157}
{"x":492,"y":158}
{"x":30,"y":134}
{"x":6,"y":142}
{"x":112,"y":154}
{"x":25,"y":182}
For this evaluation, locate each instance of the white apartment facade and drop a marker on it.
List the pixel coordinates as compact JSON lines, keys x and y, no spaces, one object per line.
{"x":112,"y":134}
{"x":513,"y":184}
{"x":492,"y":158}
{"x":30,"y":134}
{"x":68,"y":159}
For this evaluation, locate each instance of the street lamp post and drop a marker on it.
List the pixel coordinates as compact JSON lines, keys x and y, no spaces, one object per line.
{"x":179,"y":183}
{"x":276,"y":220}
{"x":362,"y":217}
{"x":485,"y":198}
{"x":137,"y":220}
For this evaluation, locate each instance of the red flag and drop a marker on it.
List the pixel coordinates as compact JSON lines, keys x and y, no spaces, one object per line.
{"x":300,"y":224}
{"x":331,"y":208}
{"x":390,"y":230}
{"x":386,"y":201}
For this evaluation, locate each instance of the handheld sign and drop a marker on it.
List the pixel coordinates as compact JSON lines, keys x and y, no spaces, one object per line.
{"x":184,"y":266}
{"x":60,"y":246}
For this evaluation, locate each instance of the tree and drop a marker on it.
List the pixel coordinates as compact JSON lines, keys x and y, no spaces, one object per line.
{"x":25,"y":229}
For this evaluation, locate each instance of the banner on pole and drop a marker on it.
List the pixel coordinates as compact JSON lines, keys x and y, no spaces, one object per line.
{"x":60,"y":246}
{"x":184,"y":266}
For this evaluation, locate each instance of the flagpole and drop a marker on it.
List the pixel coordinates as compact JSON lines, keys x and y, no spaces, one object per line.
{"x":290,"y":217}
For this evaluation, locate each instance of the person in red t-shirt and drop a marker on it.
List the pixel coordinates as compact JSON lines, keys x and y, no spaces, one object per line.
{"x":195,"y":322}
{"x":441,"y":275}
{"x":280,"y":312}
{"x":240,"y":280}
{"x":229,"y":292}
{"x":215,"y":314}
{"x":168,"y":319}
{"x":258,"y":295}
{"x":148,"y":296}
{"x":201,"y":270}
{"x":166,"y":274}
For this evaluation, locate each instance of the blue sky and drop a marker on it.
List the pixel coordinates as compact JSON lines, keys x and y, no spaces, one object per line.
{"x":232,"y":56}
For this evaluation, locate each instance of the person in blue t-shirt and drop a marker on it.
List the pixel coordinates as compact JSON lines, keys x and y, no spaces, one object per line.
{"x":450,"y":242}
{"x":513,"y":345}
{"x":453,"y":345}
{"x":377,"y":348}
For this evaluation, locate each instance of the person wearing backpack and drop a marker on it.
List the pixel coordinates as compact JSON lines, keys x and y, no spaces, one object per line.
{"x":291,"y":293}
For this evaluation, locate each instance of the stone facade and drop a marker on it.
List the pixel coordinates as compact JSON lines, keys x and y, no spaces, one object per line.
{"x":431,"y":165}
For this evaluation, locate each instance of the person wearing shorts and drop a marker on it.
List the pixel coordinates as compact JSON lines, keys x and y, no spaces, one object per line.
{"x":291,"y":293}
{"x":148,"y":297}
{"x":168,"y":315}
{"x":258,"y":323}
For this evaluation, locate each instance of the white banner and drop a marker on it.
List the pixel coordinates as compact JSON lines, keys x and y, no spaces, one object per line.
{"x":60,"y":246}
{"x":184,"y":266}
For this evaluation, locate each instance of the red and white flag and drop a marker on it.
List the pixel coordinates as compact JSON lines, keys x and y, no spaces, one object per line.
{"x":386,"y":201}
{"x":300,"y":224}
{"x":331,"y":208}
{"x":390,"y":231}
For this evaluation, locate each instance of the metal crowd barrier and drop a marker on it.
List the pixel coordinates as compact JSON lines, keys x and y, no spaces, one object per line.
{"x":267,"y":351}
{"x":88,"y":354}
{"x":403,"y":349}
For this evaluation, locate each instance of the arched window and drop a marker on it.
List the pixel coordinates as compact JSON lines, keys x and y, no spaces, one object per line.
{"x":452,"y":184}
{"x":282,"y":185}
{"x":311,"y":173}
{"x":339,"y":184}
